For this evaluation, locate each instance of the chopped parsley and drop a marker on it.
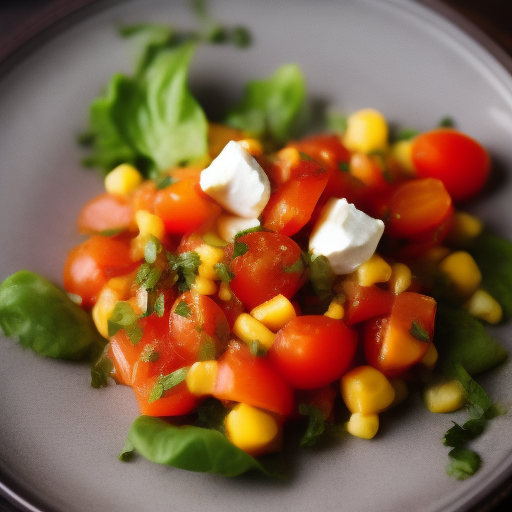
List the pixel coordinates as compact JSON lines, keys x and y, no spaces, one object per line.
{"x":166,"y":382}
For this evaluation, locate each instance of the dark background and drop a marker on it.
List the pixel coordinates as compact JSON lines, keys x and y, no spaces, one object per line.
{"x":21,"y":19}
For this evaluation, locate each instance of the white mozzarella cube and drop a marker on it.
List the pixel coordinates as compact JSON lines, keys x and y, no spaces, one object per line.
{"x":345,"y":235}
{"x":237,"y":182}
{"x":229,"y":225}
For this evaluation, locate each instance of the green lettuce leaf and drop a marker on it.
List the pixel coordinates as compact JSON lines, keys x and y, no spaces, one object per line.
{"x":188,"y":447}
{"x":271,"y":108}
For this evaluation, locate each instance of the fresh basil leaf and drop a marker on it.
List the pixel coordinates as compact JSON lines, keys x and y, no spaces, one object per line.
{"x":461,"y":435}
{"x":189,"y":447}
{"x":271,"y":108}
{"x":463,"y":463}
{"x":493,"y":255}
{"x":461,"y":338}
{"x":157,"y":115}
{"x":43,"y":318}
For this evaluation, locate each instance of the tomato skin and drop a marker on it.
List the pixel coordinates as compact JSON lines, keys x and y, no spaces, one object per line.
{"x":364,"y":302}
{"x":183,"y":206}
{"x":205,"y":325}
{"x":311,"y":351}
{"x":290,"y":206}
{"x":106,"y":212}
{"x":420,"y":210}
{"x":459,"y":161}
{"x":389,"y":344}
{"x":261,"y":273}
{"x":91,"y":264}
{"x":242,"y":377}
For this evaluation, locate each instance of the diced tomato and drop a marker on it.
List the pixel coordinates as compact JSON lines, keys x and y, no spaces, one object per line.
{"x":271,"y":265}
{"x":420,"y":210}
{"x":91,"y":264}
{"x":327,"y":150}
{"x":144,"y":197}
{"x":106,"y":212}
{"x":242,"y":377}
{"x":366,"y":168}
{"x":183,"y":206}
{"x":290,"y":206}
{"x":364,"y":302}
{"x":459,"y":161}
{"x":199,"y":327}
{"x":394,"y":343}
{"x":232,"y":308}
{"x":311,"y":351}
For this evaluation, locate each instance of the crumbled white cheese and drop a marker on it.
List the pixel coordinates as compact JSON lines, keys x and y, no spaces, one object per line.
{"x":237,"y":182}
{"x":345,"y":235}
{"x":229,"y":225}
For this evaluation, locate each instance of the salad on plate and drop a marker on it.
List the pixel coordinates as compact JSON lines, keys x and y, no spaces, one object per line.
{"x":261,"y":287}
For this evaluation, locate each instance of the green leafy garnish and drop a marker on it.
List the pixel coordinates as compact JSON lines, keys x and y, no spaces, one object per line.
{"x":123,"y":317}
{"x":189,"y":447}
{"x":100,"y":370}
{"x":446,"y":122}
{"x":167,"y":382}
{"x":149,"y":354}
{"x":463,"y":463}
{"x":406,"y":134}
{"x":223,"y":272}
{"x":271,"y":108}
{"x":336,"y":122}
{"x":239,"y":249}
{"x":152,"y":248}
{"x":43,"y":318}
{"x":298,"y":266}
{"x":182,"y":309}
{"x":322,"y":276}
{"x":419,"y":333}
{"x":316,"y":424}
{"x":185,"y":267}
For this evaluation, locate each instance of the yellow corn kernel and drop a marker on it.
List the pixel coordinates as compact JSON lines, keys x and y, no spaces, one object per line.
{"x":484,"y":306}
{"x":400,"y":279}
{"x":335,"y":310}
{"x":224,"y":292}
{"x":401,"y":391}
{"x":375,"y":270}
{"x":367,"y":390}
{"x":446,"y":397}
{"x":210,"y":256}
{"x":219,"y":135}
{"x":290,"y":157}
{"x":248,"y":329}
{"x":430,"y":358}
{"x":367,"y":130}
{"x":465,"y":229}
{"x":117,"y":288}
{"x":462,"y":272}
{"x":252,"y":146}
{"x":204,"y":286}
{"x":252,"y":430}
{"x":274,"y":313}
{"x":124,"y":179}
{"x":401,"y":151}
{"x":149,"y":225}
{"x":362,"y":425}
{"x":201,"y":378}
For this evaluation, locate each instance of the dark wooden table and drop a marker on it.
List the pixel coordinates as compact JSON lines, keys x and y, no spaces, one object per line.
{"x":492,"y":17}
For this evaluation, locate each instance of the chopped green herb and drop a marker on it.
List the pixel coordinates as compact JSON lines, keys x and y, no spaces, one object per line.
{"x":446,"y":122}
{"x":164,"y":181}
{"x":239,"y":249}
{"x":336,"y":122}
{"x":255,"y":229}
{"x":298,"y":266}
{"x":406,"y":134}
{"x":185,"y":266}
{"x":257,"y":349}
{"x":207,"y":350}
{"x":152,"y":248}
{"x":419,"y":333}
{"x":182,"y":309}
{"x":100,"y":370}
{"x":321,"y":276}
{"x":159,"y":305}
{"x":344,"y":166}
{"x":123,"y":317}
{"x":463,"y":463}
{"x":316,"y":424}
{"x":223,"y":272}
{"x":167,"y":382}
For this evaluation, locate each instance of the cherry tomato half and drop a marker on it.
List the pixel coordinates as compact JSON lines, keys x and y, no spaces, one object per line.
{"x":311,"y":351}
{"x":459,"y":161}
{"x":106,"y":212}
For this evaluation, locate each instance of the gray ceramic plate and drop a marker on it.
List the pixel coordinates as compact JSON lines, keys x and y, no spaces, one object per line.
{"x":59,"y":439}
